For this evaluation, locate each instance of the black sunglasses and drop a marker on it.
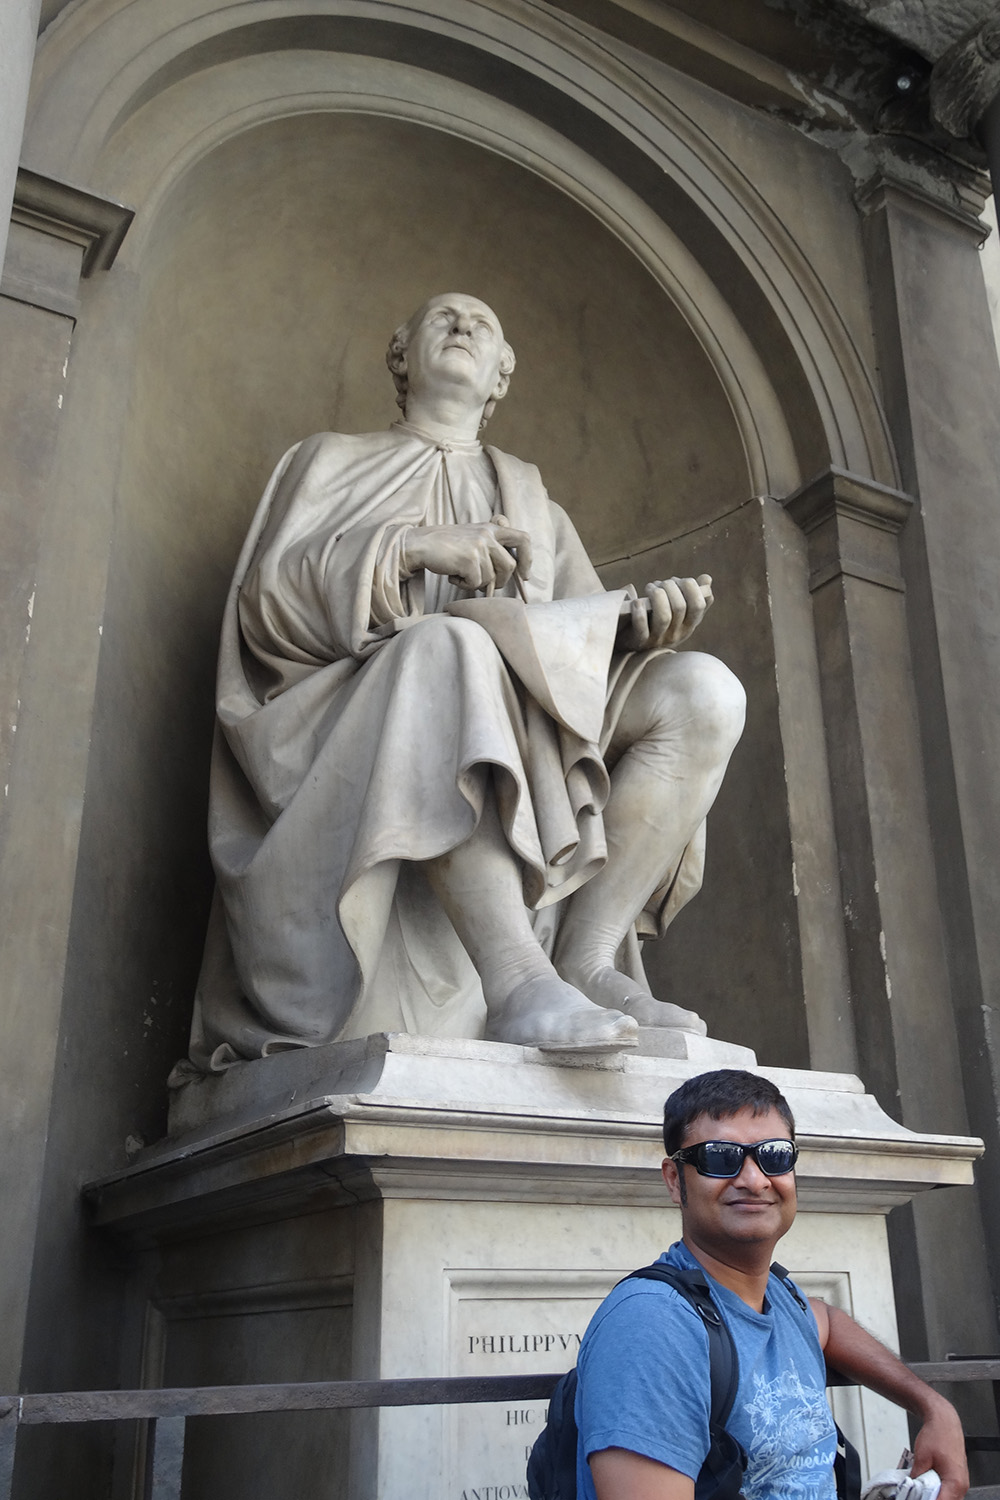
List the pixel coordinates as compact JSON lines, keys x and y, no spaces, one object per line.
{"x":726,"y":1158}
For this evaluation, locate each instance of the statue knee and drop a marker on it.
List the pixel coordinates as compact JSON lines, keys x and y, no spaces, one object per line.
{"x":713,"y":696}
{"x":445,"y":633}
{"x":716,"y":700}
{"x":697,"y":697}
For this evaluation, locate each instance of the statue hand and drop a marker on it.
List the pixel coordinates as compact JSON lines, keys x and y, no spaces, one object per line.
{"x":475,"y":556}
{"x":676,"y":607}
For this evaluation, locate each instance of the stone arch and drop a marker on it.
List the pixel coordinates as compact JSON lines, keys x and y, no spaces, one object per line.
{"x":532,"y":86}
{"x":146,"y":115}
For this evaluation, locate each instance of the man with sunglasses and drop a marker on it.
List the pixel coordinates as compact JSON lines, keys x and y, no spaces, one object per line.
{"x":644,"y":1393}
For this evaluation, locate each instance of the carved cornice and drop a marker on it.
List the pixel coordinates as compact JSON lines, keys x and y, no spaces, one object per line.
{"x":961,"y":209}
{"x":966,"y":79}
{"x":97,"y":225}
{"x":852,"y":524}
{"x":835,"y":492}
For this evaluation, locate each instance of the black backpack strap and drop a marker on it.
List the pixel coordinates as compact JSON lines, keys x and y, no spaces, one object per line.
{"x":724,"y":1370}
{"x":847,"y":1469}
{"x":847,"y":1464}
{"x":833,"y":1377}
{"x":721,"y":1476}
{"x":789,"y":1285}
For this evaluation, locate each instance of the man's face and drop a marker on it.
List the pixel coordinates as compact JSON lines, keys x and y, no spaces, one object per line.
{"x":455,"y":349}
{"x":721,"y":1213}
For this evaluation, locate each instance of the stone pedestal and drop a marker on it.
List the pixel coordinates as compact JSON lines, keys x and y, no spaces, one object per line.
{"x":402,"y":1206}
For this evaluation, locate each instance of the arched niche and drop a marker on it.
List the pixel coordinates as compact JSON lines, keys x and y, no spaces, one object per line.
{"x":123,"y":87}
{"x":265,"y":288}
{"x":292,"y":205}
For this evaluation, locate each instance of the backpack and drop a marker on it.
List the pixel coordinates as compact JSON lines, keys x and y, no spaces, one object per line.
{"x":552,"y":1464}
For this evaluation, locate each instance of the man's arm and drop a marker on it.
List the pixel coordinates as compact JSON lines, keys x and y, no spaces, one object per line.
{"x":644,"y":1395}
{"x":619,"y":1474}
{"x":940,"y":1443}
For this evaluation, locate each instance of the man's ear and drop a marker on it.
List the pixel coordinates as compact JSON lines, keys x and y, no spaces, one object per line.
{"x":672,"y":1177}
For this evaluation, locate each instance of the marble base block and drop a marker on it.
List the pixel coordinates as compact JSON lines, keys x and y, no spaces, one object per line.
{"x":406,"y":1206}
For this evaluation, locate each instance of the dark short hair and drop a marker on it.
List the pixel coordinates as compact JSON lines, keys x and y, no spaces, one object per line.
{"x":720,"y":1095}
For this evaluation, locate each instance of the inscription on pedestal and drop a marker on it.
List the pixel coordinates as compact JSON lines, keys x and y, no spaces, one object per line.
{"x":511,"y":1323}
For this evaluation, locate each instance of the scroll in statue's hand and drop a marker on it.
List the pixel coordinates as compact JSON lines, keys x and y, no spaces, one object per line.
{"x":474,"y":557}
{"x":671,"y":610}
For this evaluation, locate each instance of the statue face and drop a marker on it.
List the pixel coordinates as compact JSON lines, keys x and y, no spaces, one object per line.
{"x":455,"y":347}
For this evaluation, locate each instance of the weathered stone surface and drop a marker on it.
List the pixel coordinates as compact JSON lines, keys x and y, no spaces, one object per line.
{"x":929,"y":26}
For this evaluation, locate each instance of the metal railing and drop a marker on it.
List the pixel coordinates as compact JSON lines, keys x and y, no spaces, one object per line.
{"x":166,"y":1411}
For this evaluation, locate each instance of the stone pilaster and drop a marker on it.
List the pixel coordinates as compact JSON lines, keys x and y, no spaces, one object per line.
{"x":900,"y":981}
{"x":48,"y":652}
{"x":18,"y":29}
{"x":941,"y":389}
{"x":895,"y":947}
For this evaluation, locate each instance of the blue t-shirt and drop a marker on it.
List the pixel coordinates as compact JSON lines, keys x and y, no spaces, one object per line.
{"x":644,"y":1385}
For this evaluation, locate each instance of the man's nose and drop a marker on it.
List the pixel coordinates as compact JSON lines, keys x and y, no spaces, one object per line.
{"x":461,"y":323}
{"x":751,"y":1176}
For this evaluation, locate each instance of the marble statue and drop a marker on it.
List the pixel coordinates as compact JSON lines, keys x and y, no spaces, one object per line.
{"x":455,"y":781}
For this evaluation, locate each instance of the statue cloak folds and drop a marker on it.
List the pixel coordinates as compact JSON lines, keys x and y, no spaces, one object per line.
{"x":357,"y":735}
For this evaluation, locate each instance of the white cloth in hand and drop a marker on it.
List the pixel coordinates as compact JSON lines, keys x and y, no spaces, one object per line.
{"x":896,"y":1484}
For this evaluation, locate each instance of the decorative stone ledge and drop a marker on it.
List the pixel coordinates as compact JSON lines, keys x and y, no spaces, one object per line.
{"x":58,"y":235}
{"x":838,"y":492}
{"x":958,"y":198}
{"x":415,"y":1117}
{"x":97,"y":225}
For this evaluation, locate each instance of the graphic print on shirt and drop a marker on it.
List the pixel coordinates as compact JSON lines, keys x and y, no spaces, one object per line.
{"x":790,"y":1450}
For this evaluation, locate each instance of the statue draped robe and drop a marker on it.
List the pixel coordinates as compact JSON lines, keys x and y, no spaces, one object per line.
{"x":360,"y":728}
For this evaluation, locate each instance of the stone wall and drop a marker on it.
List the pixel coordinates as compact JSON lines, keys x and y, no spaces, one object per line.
{"x":722,"y":298}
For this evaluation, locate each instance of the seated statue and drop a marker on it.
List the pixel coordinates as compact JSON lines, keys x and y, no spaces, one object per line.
{"x":455,"y":781}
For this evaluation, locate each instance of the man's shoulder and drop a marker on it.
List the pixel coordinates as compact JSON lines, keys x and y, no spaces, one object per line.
{"x":651,"y":1307}
{"x":644,"y":1375}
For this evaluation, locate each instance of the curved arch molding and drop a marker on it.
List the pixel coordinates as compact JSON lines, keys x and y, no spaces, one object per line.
{"x":129,"y":93}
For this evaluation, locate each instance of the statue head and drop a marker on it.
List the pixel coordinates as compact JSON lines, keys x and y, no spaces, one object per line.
{"x":457,"y":330}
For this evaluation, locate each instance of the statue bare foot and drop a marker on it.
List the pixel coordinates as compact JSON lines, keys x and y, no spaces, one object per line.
{"x":651,"y":1012}
{"x":548,"y":1013}
{"x":606,"y":985}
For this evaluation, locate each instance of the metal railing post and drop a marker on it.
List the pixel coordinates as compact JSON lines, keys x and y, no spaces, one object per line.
{"x":8,"y":1442}
{"x":164,"y":1459}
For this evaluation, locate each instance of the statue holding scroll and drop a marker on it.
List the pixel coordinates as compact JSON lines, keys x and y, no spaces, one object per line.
{"x":455,"y":781}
